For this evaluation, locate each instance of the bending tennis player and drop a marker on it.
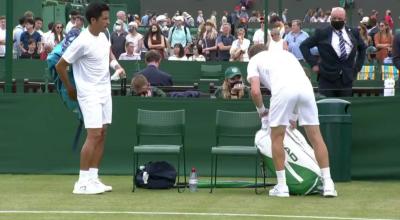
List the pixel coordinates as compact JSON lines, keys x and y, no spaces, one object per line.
{"x":90,"y":56}
{"x":292,"y":97}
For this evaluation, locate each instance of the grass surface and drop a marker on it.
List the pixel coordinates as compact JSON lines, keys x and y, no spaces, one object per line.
{"x":377,"y":200}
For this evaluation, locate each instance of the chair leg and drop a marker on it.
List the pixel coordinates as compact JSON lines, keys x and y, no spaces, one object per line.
{"x":178,"y":183}
{"x":211,"y":173}
{"x":215,"y":171}
{"x":135,"y":166}
{"x":184,"y":168}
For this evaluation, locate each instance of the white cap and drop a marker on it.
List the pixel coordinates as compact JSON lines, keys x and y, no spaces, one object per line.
{"x":133,"y":24}
{"x":365,"y":20}
{"x":161,"y":18}
{"x":179,"y":18}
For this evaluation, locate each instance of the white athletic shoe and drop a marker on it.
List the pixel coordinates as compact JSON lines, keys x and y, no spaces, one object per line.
{"x":279,"y":191}
{"x":102,"y":185}
{"x":87,"y":188}
{"x":329,"y":189}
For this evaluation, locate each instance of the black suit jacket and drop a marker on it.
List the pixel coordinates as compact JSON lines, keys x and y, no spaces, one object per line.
{"x":156,"y":77}
{"x":330,"y":66}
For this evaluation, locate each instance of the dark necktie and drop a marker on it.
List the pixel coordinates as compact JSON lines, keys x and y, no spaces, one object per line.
{"x":342,"y":43}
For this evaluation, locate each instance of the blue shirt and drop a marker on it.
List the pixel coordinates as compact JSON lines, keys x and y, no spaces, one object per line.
{"x":25,"y":37}
{"x":294,"y":41}
{"x":178,"y":35}
{"x":224,"y":55}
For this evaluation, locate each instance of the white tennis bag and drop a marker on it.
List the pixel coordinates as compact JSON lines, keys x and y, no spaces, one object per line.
{"x":302,"y":170}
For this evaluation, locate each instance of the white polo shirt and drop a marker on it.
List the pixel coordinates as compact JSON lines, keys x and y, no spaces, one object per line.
{"x":90,"y":58}
{"x":278,"y":70}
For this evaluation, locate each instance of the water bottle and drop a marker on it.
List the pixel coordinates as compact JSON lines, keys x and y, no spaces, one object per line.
{"x":193,"y":181}
{"x":389,"y":87}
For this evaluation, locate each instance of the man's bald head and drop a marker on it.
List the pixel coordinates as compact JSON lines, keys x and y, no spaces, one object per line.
{"x":338,"y":14}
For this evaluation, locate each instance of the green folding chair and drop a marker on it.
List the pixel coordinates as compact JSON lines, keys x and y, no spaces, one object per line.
{"x":160,"y":125}
{"x":235,"y":125}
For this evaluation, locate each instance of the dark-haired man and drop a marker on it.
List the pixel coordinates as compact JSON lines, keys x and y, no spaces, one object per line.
{"x":90,"y":56}
{"x":292,"y":97}
{"x":155,"y":76}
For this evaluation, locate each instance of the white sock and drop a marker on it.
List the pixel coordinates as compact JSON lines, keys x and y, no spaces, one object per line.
{"x":84,"y":175}
{"x":326,"y":173}
{"x":281,"y":177}
{"x":94,"y":173}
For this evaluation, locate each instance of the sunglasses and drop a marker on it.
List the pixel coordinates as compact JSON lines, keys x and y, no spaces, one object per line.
{"x":59,"y":27}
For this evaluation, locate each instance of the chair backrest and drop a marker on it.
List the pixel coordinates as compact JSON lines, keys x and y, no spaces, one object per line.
{"x":231,"y":124}
{"x":160,"y":123}
{"x":211,"y":71}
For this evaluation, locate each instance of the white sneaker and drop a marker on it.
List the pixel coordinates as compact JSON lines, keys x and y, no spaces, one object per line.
{"x":102,"y":185}
{"x":87,"y":188}
{"x":329,"y":189}
{"x":279,"y":191}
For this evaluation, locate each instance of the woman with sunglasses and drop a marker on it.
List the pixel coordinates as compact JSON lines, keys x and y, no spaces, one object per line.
{"x":383,"y":41}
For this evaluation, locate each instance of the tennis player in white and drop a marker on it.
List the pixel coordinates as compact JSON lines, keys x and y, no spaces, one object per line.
{"x":292,"y":98}
{"x":90,"y":56}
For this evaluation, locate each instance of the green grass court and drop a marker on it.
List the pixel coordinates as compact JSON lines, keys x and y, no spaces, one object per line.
{"x":49,"y":197}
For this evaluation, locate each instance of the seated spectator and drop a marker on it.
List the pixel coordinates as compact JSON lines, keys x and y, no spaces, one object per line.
{"x":118,"y":39}
{"x":2,"y":36}
{"x":155,"y":76}
{"x":277,"y":42}
{"x":129,"y":54}
{"x":233,"y":87}
{"x":156,"y":40}
{"x":32,"y":52}
{"x":29,"y":34}
{"x":197,"y":54}
{"x":179,"y":53}
{"x":224,"y":43}
{"x":141,"y":87}
{"x":240,"y":47}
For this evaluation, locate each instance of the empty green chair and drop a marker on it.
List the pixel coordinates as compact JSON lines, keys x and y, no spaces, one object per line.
{"x":240,"y":126}
{"x":160,"y":126}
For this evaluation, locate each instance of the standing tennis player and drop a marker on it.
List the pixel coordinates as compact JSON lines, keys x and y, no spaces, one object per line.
{"x":292,"y":97}
{"x":90,"y":56}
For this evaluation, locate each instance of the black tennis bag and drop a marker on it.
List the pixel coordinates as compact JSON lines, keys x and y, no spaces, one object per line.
{"x":155,"y":175}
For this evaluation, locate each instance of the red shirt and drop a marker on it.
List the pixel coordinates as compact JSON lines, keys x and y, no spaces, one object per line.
{"x":389,"y":20}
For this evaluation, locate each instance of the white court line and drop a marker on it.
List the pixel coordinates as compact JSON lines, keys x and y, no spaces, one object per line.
{"x":186,"y":213}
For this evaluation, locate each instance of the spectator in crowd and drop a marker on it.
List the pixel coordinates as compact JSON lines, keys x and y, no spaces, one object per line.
{"x":224,"y":43}
{"x":197,"y":54}
{"x":314,"y":17}
{"x":233,"y":18}
{"x":209,"y":40}
{"x":129,"y":54}
{"x":121,"y":15}
{"x":71,"y":22}
{"x":145,"y":19}
{"x":135,"y":37}
{"x":29,"y":15}
{"x":243,"y":15}
{"x":155,"y":76}
{"x":276,"y":22}
{"x":17,"y":32}
{"x":340,"y":59}
{"x":189,"y":20}
{"x":327,"y":17}
{"x":294,"y":40}
{"x":29,"y":34}
{"x":156,"y":40}
{"x":224,"y":20}
{"x":308,"y":16}
{"x":47,"y":36}
{"x":163,"y":21}
{"x":38,"y":25}
{"x":373,"y":28}
{"x":258,"y":37}
{"x":200,"y":18}
{"x":240,"y":47}
{"x":118,"y":38}
{"x":233,"y":86}
{"x":364,"y":31}
{"x":383,"y":41}
{"x":277,"y":43}
{"x":396,"y":51}
{"x":288,"y":28}
{"x":141,"y":87}
{"x":58,"y":34}
{"x":254,"y":18}
{"x":321,"y":16}
{"x":2,"y":36}
{"x":389,"y":19}
{"x":284,"y":15}
{"x":374,"y":14}
{"x":213,"y":18}
{"x":179,"y":53}
{"x":179,"y":33}
{"x":32,"y":51}
{"x":137,"y":19}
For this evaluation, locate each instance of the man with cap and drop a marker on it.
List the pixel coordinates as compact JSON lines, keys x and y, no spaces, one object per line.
{"x":135,"y":37}
{"x":233,"y":87}
{"x":179,"y":33}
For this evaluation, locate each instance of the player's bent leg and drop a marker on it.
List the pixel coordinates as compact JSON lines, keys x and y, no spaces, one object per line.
{"x":321,"y":153}
{"x":278,"y":156}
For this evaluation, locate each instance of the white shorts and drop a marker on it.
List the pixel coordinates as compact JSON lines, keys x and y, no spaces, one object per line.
{"x":285,"y":104}
{"x":96,"y":111}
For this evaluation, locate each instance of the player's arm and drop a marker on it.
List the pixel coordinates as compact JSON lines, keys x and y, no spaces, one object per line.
{"x":256,"y":96}
{"x":116,"y":66}
{"x":62,"y":70}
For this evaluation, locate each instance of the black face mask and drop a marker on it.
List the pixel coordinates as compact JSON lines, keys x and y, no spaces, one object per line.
{"x":338,"y":25}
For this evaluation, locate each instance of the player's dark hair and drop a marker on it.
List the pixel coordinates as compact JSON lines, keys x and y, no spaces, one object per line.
{"x":255,"y":49}
{"x":94,"y":10}
{"x":152,"y":56}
